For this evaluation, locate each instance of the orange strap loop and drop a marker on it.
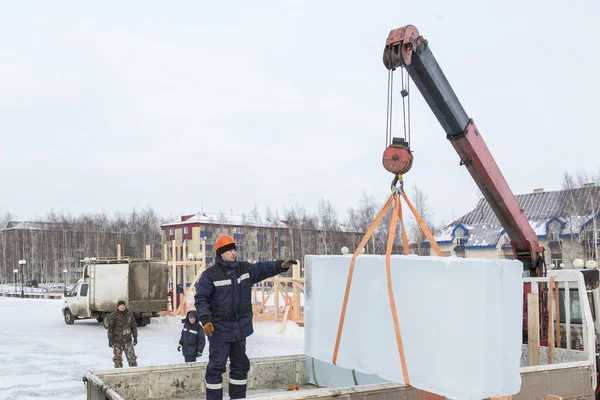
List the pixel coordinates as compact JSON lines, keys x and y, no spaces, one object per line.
{"x":397,"y":215}
{"x":388,"y":271}
{"x":405,"y":244}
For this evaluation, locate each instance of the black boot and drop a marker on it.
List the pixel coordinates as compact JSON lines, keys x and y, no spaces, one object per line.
{"x":237,"y":389}
{"x":214,"y":394}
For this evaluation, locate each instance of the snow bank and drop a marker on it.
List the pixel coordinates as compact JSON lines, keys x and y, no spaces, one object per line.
{"x":272,"y":329}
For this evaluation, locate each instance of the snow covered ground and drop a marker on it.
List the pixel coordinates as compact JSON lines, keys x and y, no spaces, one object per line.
{"x":41,"y":357}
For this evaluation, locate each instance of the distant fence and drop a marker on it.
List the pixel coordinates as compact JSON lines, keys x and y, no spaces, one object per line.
{"x":28,"y":292}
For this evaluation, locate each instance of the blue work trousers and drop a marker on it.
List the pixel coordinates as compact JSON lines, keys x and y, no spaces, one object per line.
{"x":239,"y":366}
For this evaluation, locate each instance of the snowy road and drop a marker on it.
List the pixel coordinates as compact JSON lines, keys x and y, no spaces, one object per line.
{"x":43,"y":358}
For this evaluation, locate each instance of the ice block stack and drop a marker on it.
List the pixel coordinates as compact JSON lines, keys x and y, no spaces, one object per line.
{"x":460,"y":319}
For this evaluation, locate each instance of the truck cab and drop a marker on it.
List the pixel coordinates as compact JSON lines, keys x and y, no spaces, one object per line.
{"x":574,"y":338}
{"x":76,"y":302}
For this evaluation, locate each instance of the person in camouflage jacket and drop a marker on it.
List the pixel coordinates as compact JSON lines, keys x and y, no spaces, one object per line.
{"x":121,"y":328}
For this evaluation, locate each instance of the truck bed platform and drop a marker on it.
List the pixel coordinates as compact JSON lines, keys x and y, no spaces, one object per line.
{"x":269,"y":377}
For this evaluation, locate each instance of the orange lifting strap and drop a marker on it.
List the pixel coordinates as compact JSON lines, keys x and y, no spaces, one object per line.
{"x":397,"y":215}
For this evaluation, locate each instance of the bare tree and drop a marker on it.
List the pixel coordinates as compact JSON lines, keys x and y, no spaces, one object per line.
{"x":255,"y":217}
{"x":421,"y":204}
{"x":222,"y":218}
{"x":300,"y":224}
{"x":270,"y":217}
{"x":360,"y":218}
{"x":328,"y":222}
{"x":6,"y":272}
{"x":577,"y":210}
{"x":61,"y":241}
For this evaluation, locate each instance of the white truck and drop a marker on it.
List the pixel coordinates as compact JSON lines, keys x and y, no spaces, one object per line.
{"x":143,"y":285}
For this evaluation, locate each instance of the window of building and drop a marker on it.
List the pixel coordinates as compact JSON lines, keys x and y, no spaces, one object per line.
{"x":589,"y":236}
{"x":460,"y":237}
{"x":557,"y":261}
{"x":554,"y":231}
{"x":185,"y":230}
{"x":171,"y":231}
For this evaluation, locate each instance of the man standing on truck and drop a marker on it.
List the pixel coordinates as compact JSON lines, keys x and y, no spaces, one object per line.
{"x":121,"y":328}
{"x":224,"y":306}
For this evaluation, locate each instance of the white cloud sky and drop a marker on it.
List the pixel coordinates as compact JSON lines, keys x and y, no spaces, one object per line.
{"x":105,"y":107}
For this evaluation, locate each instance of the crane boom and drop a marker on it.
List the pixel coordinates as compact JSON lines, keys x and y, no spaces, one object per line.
{"x":405,"y":47}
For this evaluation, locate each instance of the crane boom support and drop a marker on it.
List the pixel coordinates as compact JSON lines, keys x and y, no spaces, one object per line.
{"x":405,"y":47}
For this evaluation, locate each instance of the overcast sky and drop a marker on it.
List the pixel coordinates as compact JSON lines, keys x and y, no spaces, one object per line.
{"x":106,"y":106}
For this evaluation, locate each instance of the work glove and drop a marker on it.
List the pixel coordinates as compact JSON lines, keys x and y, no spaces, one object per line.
{"x":134,"y":340}
{"x":179,"y":347}
{"x":288,"y":263}
{"x":110,"y":343}
{"x":199,"y":353}
{"x":208,"y":328}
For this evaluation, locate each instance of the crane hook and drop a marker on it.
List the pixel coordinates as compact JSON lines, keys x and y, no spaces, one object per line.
{"x":397,"y":184}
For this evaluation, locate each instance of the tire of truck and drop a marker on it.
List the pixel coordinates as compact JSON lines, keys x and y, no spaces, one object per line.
{"x":140,"y":322}
{"x":69,"y":317}
{"x":105,"y":319}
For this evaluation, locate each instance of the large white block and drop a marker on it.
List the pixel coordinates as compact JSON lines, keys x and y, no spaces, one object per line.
{"x":460,"y":319}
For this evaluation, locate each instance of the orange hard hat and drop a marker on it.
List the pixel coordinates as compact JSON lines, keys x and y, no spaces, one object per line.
{"x":224,"y":243}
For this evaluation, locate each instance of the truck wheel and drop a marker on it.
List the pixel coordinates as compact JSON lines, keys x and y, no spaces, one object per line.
{"x":69,"y":317}
{"x":145,"y":321}
{"x":105,"y":320}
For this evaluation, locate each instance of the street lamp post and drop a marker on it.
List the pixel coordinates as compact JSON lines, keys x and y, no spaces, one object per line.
{"x":22,"y":264}
{"x":16,"y":272}
{"x":65,"y":272}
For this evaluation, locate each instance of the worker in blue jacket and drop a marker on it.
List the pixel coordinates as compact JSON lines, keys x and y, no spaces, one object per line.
{"x":224,"y":306}
{"x":192,"y":339}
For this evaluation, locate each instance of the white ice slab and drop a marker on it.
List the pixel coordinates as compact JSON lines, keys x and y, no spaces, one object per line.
{"x":460,"y":319}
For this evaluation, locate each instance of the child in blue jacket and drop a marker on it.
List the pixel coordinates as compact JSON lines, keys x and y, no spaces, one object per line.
{"x":192,"y":338}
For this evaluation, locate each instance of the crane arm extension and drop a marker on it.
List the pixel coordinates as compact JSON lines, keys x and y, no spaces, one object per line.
{"x":405,"y":47}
